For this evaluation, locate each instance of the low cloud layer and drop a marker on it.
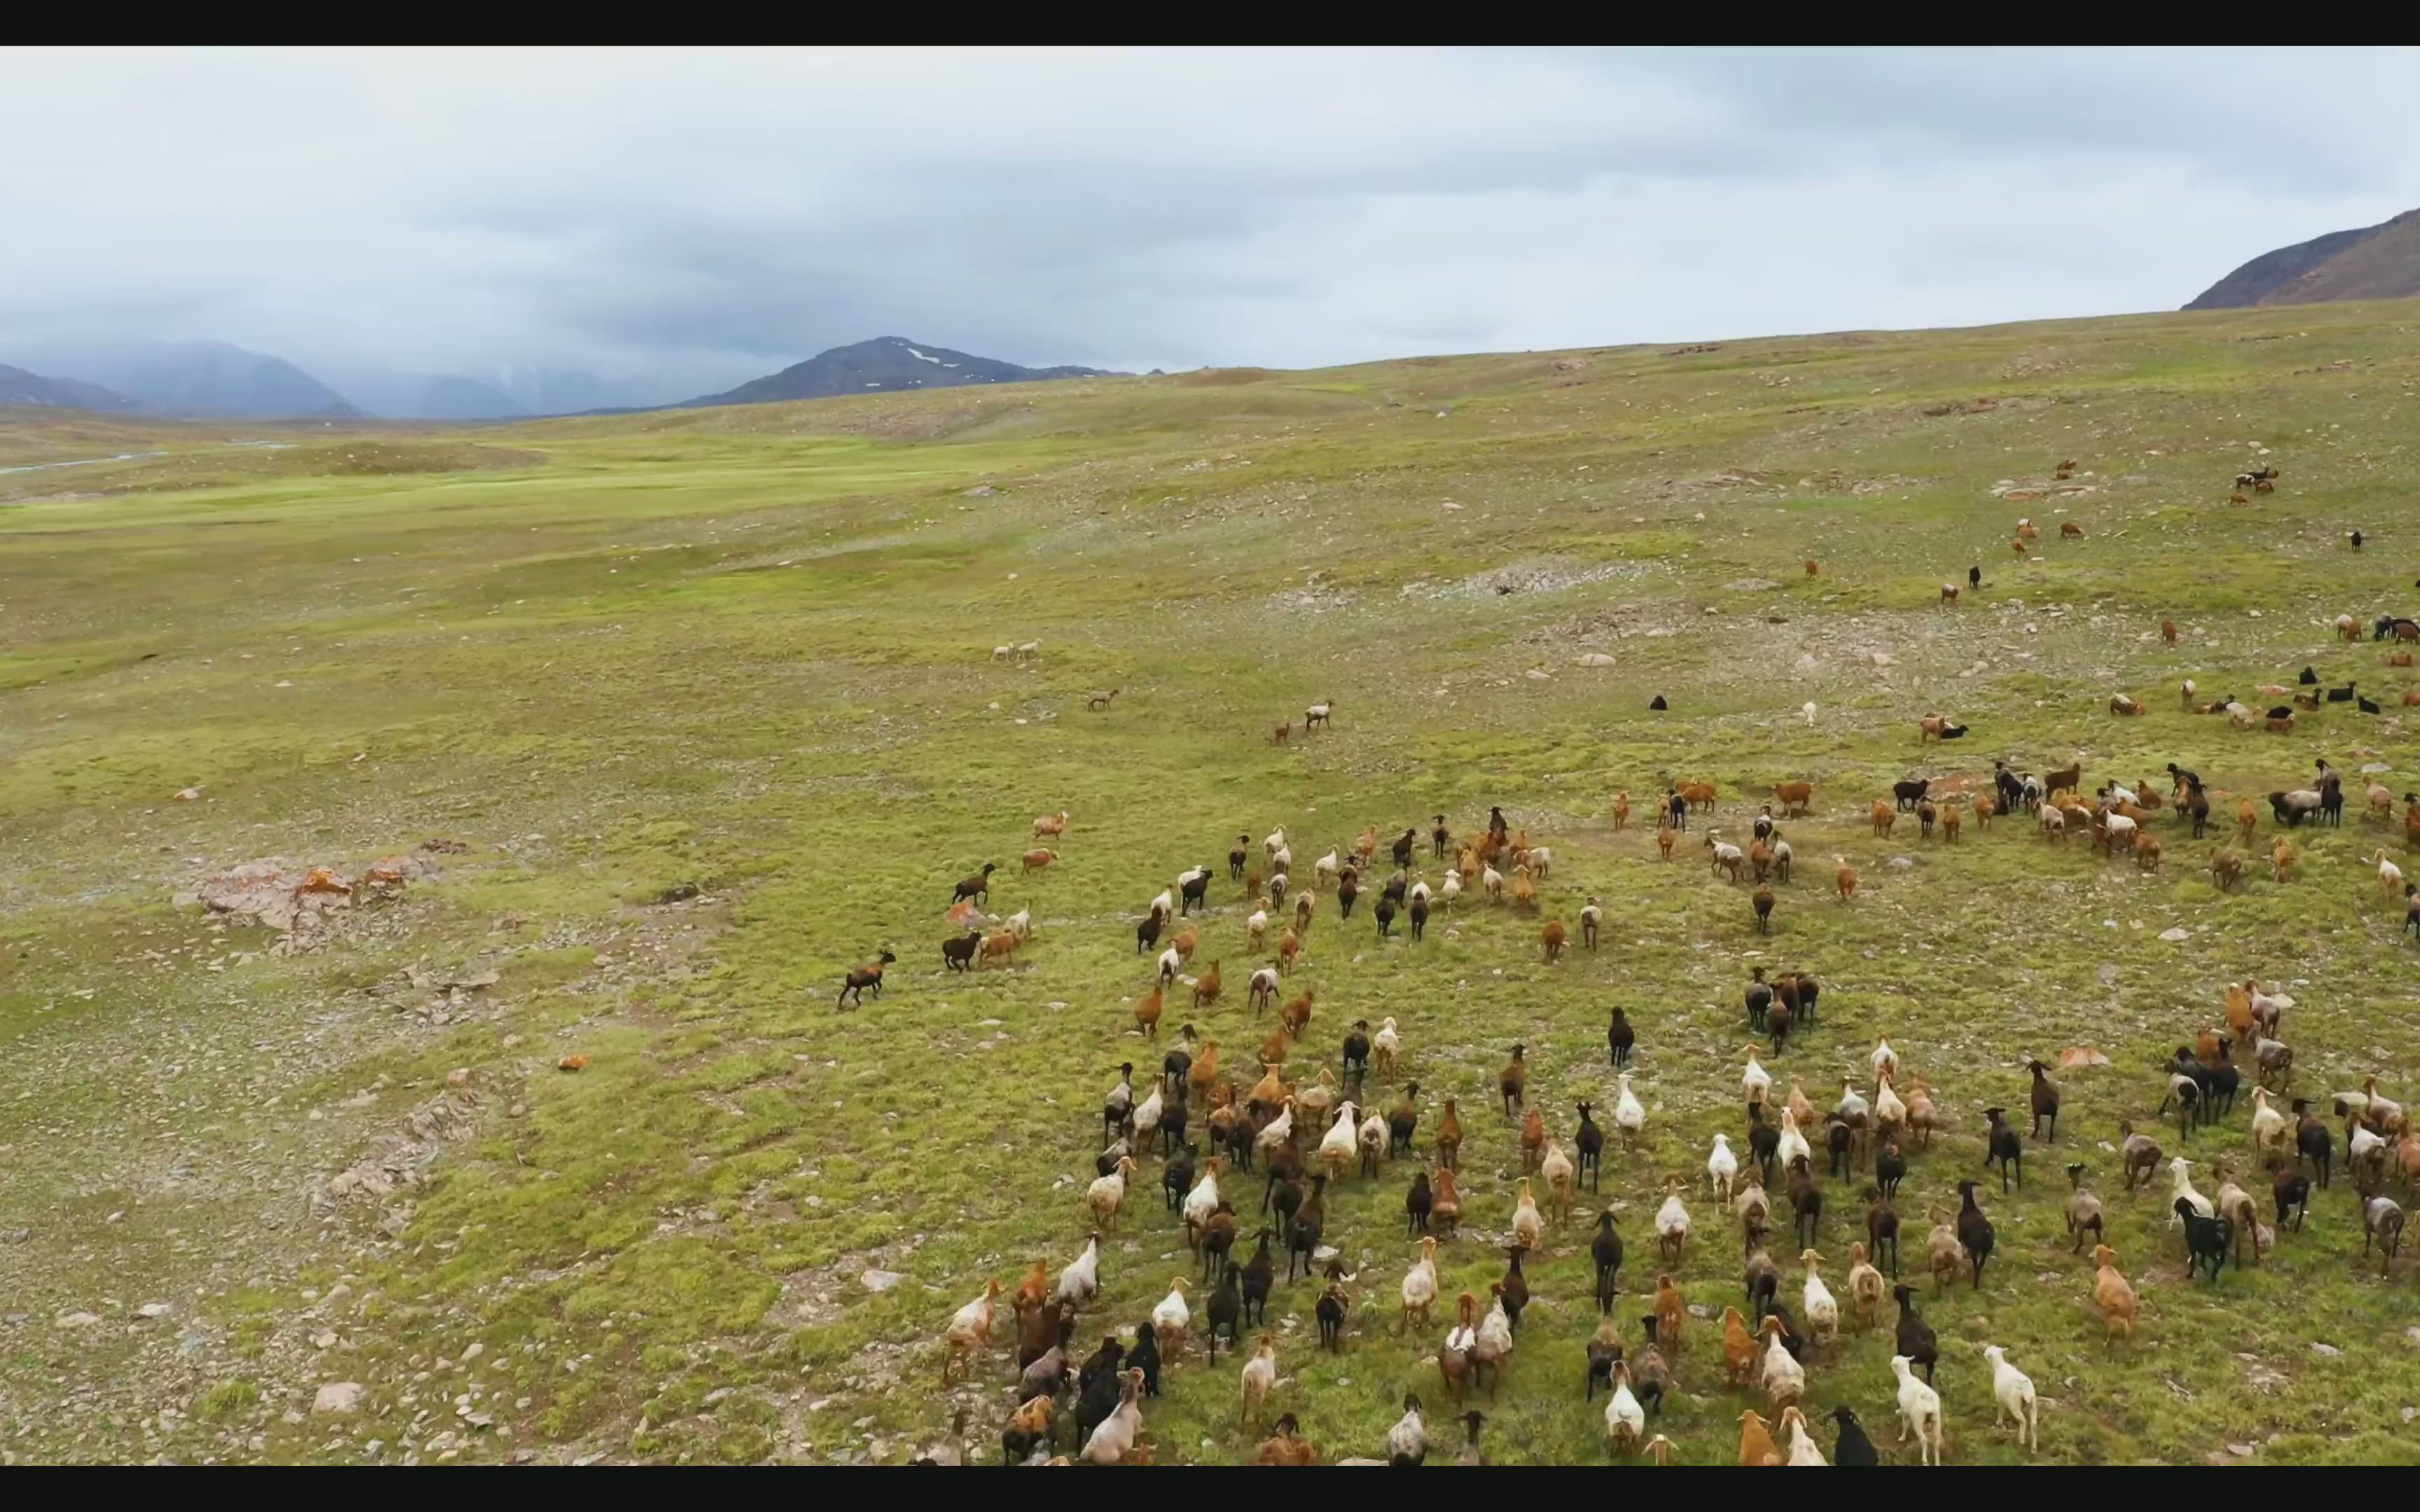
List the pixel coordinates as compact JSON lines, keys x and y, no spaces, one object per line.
{"x":697,"y":218}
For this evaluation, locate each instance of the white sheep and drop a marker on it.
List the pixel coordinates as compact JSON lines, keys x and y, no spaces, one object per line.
{"x":1722,"y":1168}
{"x":1919,"y":1412}
{"x":2012,"y":1394}
{"x":1002,"y":653}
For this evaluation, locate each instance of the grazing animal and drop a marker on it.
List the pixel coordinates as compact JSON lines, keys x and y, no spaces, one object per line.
{"x":2208,"y":1239}
{"x":1919,"y":1411}
{"x":2012,"y":1396}
{"x":2112,"y":1294}
{"x":853,"y":986}
{"x":1975,"y":1234}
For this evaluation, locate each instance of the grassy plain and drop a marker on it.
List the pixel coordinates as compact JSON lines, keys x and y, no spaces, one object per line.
{"x":710,"y":696}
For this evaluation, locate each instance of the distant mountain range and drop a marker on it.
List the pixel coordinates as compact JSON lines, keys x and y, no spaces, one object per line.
{"x":17,"y":386}
{"x":883,"y":365}
{"x":213,"y":380}
{"x":2378,"y":262}
{"x":194,"y":377}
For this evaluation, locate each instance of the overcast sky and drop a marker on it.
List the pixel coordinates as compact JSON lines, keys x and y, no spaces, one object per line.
{"x":705,"y":217}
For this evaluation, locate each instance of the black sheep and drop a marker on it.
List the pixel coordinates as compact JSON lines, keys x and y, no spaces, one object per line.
{"x":1147,"y":933}
{"x":2206,"y":1241}
{"x":1177,"y":1180}
{"x":2308,"y":678}
{"x":978,"y":885}
{"x":1605,"y":1248}
{"x":2003,"y":1147}
{"x":1348,"y":890}
{"x":1852,"y":1448}
{"x":1419,"y":917}
{"x":1890,"y":1168}
{"x":1589,"y":1141}
{"x":1302,"y":1239}
{"x":1196,"y":889}
{"x":2292,"y":1191}
{"x":1237,"y":856}
{"x":1356,"y":1049}
{"x":1759,"y":998}
{"x":1915,"y":1336}
{"x":1974,"y":1231}
{"x":1619,"y":1038}
{"x":1225,"y":1311}
{"x":1910,"y":792}
{"x":1331,"y":1320}
{"x":1441,"y":837}
{"x":1974,"y":577}
{"x":1882,"y":1230}
{"x":2313,"y":1141}
{"x":1404,"y":844}
{"x":1144,"y":1357}
{"x":1386,"y":913}
{"x":1417,"y":1205}
{"x":1657,"y":702}
{"x":959,"y":954}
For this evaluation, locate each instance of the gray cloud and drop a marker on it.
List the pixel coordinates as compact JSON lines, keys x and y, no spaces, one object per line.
{"x":697,"y":218}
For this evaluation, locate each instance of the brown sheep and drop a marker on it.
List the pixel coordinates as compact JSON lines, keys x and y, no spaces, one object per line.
{"x":1207,"y":987}
{"x":1001,"y":947}
{"x":1884,"y":816}
{"x":1621,"y":812}
{"x":1795,"y":797}
{"x":2399,"y":658}
{"x":2168,"y":631}
{"x":2227,"y":870}
{"x":1813,"y":566}
{"x":2070,"y":528}
{"x":1035,"y":861}
{"x":1553,"y":938}
{"x":1950,"y":592}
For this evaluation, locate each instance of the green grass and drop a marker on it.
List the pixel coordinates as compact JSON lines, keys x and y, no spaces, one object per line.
{"x":710,"y":696}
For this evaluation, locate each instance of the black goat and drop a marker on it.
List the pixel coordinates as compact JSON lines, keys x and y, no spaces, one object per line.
{"x":2206,"y":1241}
{"x":1974,"y":1231}
{"x":1607,"y":1250}
{"x":1589,"y":1141}
{"x":2003,"y":1147}
{"x":1915,"y":1337}
{"x":959,"y":954}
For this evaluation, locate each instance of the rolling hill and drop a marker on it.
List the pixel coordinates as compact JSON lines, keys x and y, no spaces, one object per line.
{"x":17,"y":386}
{"x":2378,"y":262}
{"x":884,"y":364}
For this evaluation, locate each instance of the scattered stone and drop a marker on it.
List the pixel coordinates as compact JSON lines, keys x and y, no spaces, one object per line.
{"x":1750,"y":585}
{"x":189,"y":794}
{"x":154,"y":1309}
{"x":2241,"y":1451}
{"x":78,"y":1320}
{"x":1901,"y":863}
{"x":325,"y":1340}
{"x":458,"y":1076}
{"x":881,"y":1281}
{"x":2326,"y":1351}
{"x":338,"y":1397}
{"x":2175,"y":936}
